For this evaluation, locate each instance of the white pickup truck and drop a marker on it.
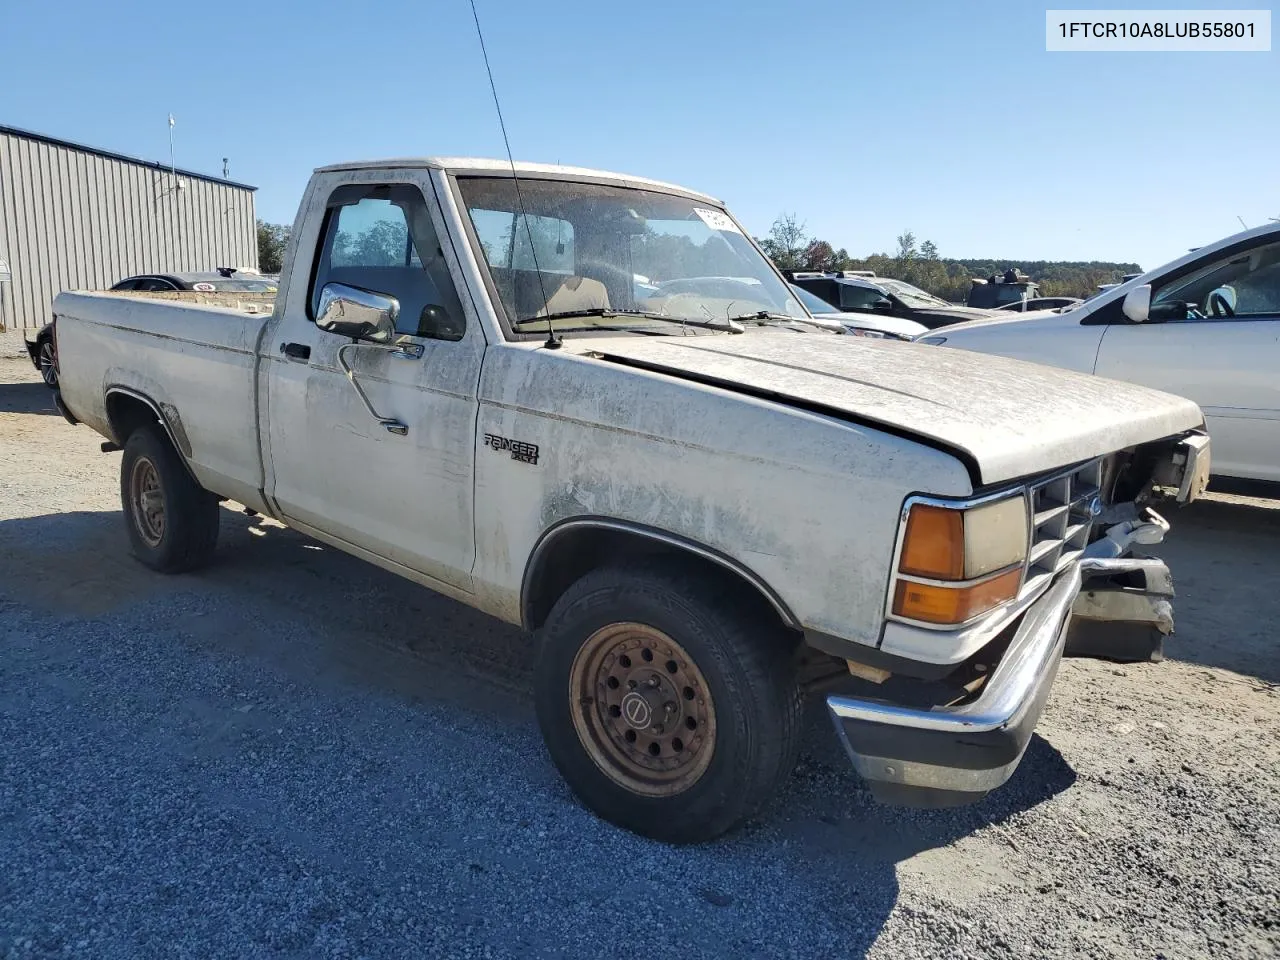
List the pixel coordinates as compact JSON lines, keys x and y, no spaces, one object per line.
{"x":705,"y":503}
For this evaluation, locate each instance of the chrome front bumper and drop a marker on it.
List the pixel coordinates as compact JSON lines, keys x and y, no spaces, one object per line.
{"x":951,"y":755}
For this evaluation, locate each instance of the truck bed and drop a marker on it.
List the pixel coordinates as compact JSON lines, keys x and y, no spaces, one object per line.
{"x":198,"y":357}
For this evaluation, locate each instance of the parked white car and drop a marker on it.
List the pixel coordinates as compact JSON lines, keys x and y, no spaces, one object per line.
{"x":1206,"y":326}
{"x":705,"y":502}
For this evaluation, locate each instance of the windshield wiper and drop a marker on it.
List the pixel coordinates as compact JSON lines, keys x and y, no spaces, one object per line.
{"x":765,"y":316}
{"x":728,"y":326}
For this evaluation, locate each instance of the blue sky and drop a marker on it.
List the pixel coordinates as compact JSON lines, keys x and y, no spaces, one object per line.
{"x":946,"y":118}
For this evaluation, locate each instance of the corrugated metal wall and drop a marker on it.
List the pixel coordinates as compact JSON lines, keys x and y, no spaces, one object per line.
{"x":77,"y":219}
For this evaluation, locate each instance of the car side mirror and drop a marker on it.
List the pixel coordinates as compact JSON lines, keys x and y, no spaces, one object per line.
{"x":883,"y":305}
{"x":1137,"y":304}
{"x":356,"y":313}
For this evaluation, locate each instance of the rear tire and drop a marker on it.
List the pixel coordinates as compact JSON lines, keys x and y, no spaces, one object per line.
{"x":171,"y":520}
{"x":669,"y":708}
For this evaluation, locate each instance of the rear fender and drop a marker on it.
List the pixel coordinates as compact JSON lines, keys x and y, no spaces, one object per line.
{"x":165,"y":413}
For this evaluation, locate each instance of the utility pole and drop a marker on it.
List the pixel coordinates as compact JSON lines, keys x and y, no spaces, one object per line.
{"x":225,"y":169}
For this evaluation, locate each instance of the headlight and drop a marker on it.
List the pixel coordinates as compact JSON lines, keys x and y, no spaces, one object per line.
{"x":859,"y":332}
{"x":936,"y":341}
{"x":956,"y":563}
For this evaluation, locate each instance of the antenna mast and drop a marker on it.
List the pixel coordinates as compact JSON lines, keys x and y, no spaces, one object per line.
{"x":173,"y":168}
{"x":552,"y":343}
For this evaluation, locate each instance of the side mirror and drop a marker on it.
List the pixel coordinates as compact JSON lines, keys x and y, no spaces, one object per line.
{"x":356,"y":313}
{"x":883,"y":305}
{"x":1137,"y":304}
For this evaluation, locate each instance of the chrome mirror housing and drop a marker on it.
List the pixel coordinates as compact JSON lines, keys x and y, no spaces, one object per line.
{"x":356,"y":313}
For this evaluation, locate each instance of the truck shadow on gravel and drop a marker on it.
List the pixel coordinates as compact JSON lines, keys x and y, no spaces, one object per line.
{"x":1224,"y":556}
{"x":824,"y":862}
{"x":32,"y":397}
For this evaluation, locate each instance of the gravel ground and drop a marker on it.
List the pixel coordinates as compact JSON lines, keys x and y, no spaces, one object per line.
{"x":294,"y":754}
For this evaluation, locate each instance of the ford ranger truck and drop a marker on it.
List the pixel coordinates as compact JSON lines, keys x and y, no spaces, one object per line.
{"x":704,"y":503}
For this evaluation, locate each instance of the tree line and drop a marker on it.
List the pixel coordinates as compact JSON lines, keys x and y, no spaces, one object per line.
{"x":919,"y":262}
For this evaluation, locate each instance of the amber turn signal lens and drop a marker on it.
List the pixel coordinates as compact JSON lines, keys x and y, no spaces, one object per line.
{"x":931,"y":604}
{"x":934,"y":543}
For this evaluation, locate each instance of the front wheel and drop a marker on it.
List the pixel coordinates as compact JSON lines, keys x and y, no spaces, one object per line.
{"x":172,"y":521}
{"x":668,"y":707}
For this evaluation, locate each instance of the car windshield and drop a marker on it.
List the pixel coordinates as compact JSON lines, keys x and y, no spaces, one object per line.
{"x":617,"y":257}
{"x":814,"y":304}
{"x":912,"y":296}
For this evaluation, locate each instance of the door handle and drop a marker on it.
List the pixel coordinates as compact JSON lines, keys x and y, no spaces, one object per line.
{"x":297,"y":352}
{"x":398,"y":427}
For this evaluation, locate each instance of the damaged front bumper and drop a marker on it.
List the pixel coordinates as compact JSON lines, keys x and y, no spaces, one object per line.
{"x":1124,"y":612}
{"x":951,"y":755}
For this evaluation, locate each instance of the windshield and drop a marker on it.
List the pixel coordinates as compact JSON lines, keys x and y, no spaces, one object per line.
{"x":597,"y":248}
{"x":814,"y":304}
{"x":912,"y":296}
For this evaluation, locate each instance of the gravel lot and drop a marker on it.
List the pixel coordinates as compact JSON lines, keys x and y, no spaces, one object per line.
{"x":294,"y":754}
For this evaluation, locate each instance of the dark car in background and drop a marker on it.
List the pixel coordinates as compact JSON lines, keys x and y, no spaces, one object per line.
{"x":860,"y":292}
{"x":860,"y":324}
{"x":43,"y":351}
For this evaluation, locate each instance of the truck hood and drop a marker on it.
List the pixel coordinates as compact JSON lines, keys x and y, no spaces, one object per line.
{"x":1004,"y":418}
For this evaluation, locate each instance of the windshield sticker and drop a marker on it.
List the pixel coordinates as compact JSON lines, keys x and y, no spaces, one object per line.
{"x":716,"y":220}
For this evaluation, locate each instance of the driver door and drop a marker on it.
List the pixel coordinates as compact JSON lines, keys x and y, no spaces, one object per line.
{"x":1225,"y":357}
{"x":402,"y":492}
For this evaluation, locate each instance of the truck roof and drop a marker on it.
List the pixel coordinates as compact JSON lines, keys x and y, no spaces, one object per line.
{"x":545,"y":171}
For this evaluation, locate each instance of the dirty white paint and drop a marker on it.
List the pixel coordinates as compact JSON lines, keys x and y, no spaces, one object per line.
{"x":806,"y":502}
{"x":1227,"y":366}
{"x":1012,"y":419}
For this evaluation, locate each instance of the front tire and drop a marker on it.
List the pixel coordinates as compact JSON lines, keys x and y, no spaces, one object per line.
{"x":670,"y":708}
{"x":172,"y":521}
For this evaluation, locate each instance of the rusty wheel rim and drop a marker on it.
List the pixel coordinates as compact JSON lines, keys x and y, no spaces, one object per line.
{"x":642,"y":709}
{"x":148,"y":501}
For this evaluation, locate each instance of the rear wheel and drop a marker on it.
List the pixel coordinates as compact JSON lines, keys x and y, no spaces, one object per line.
{"x":47,"y":363}
{"x":172,"y":521}
{"x":668,"y":708}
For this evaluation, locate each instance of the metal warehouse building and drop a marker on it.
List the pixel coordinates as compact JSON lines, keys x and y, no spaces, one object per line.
{"x":74,"y":217}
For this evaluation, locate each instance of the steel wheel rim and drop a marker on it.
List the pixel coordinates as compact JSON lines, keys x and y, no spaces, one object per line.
{"x":148,"y":501}
{"x":48,"y":371}
{"x":642,"y":709}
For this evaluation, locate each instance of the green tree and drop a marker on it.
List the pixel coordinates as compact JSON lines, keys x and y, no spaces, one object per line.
{"x":907,"y":247}
{"x":273,"y":238}
{"x":786,"y":243}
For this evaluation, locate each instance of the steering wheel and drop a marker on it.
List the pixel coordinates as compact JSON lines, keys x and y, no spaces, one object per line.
{"x":1219,"y":306}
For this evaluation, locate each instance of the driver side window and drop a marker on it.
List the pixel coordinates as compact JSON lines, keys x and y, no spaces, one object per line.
{"x":380,"y":238}
{"x":1243,"y":284}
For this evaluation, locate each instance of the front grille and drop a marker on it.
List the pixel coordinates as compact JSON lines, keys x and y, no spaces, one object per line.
{"x":1062,"y":511}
